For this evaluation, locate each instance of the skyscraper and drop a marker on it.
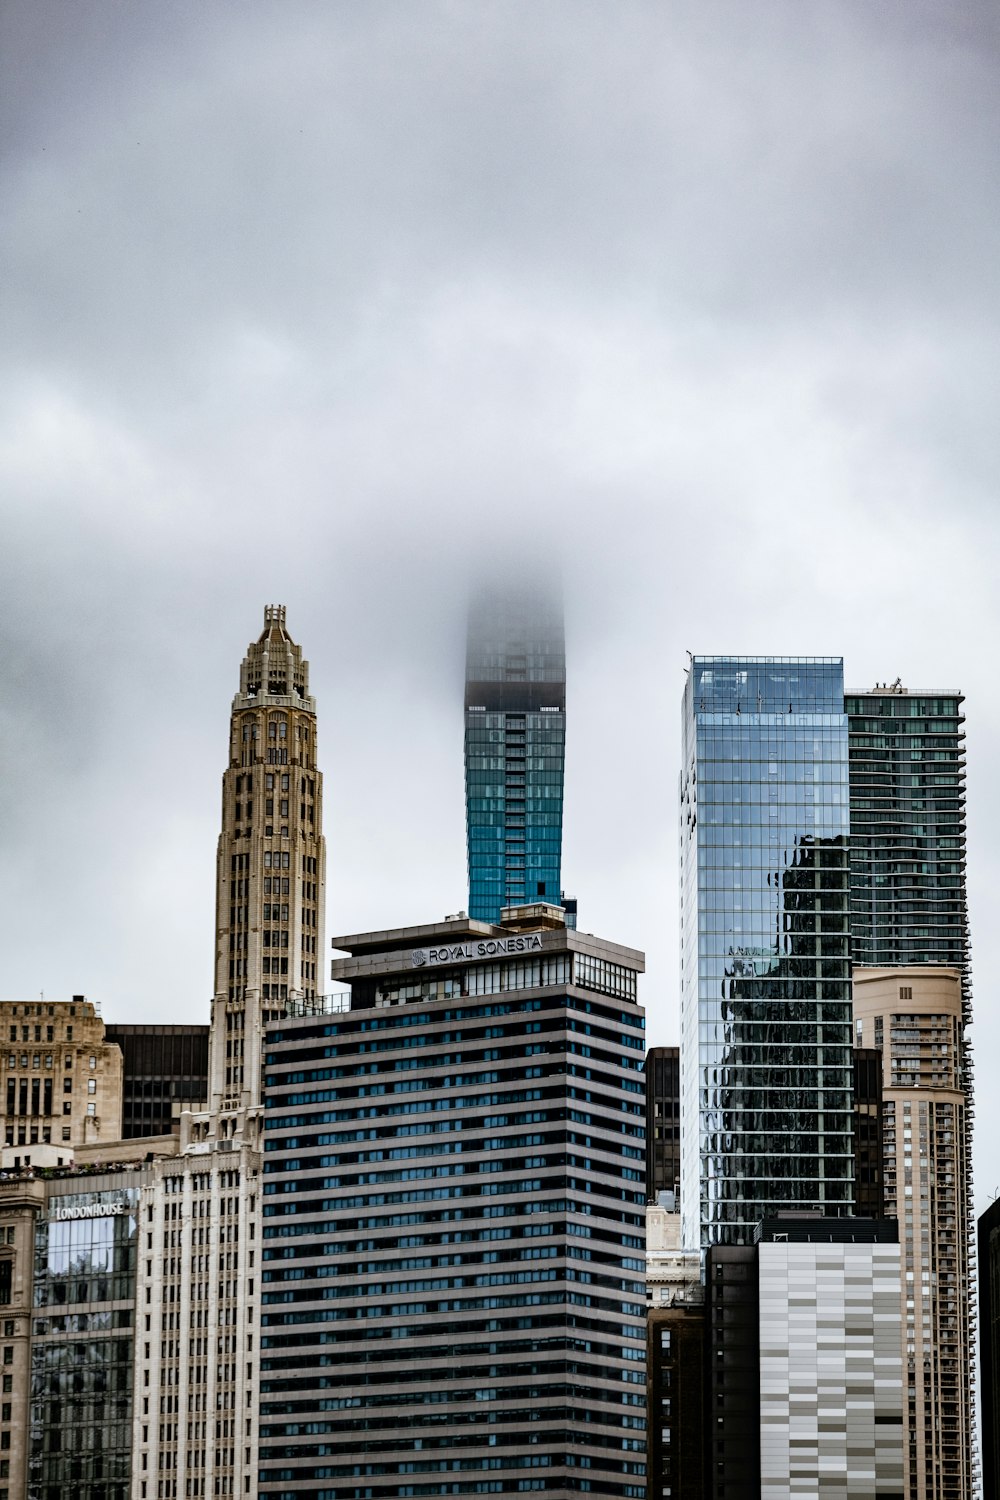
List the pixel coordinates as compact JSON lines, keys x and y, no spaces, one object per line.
{"x":271,"y":866}
{"x":766,"y":1069}
{"x":515,"y":740}
{"x":913,"y":1016}
{"x":453,"y":1232}
{"x":196,"y":1426}
{"x":907,"y":779}
{"x":913,"y":993}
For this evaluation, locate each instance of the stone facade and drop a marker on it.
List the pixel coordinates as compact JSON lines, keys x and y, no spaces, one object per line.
{"x":61,"y":1081}
{"x":271,"y":865}
{"x":195,"y":1425}
{"x":21,"y":1201}
{"x":200,"y":1213}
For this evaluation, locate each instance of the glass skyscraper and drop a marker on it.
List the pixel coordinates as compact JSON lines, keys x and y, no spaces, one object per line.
{"x":766,"y":1061}
{"x":515,"y":741}
{"x":907,"y":778}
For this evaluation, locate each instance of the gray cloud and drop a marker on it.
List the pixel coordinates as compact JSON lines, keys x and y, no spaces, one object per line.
{"x":344,"y":306}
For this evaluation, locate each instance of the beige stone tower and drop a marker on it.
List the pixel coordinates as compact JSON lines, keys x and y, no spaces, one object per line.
{"x":271,"y":862}
{"x":195,"y":1424}
{"x":913,"y":1015}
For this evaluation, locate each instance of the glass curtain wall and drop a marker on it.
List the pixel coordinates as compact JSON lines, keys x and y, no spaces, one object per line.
{"x":515,"y":742}
{"x":766,"y":994}
{"x":81,"y":1378}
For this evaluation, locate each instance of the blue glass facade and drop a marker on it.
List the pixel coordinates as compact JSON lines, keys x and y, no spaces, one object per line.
{"x":515,"y":741}
{"x":766,"y":1061}
{"x":452,"y":1292}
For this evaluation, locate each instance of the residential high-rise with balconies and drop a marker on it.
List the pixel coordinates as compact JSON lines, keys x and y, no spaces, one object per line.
{"x":913,"y":1017}
{"x":910,"y":939}
{"x":515,"y":743}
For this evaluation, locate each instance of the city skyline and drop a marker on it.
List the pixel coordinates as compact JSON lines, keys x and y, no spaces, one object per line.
{"x":663,"y":1018}
{"x":688,"y":312}
{"x":695,"y":304}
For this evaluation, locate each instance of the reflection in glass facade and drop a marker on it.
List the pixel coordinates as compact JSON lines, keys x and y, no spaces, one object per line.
{"x":515,"y":739}
{"x":766,"y":1066}
{"x":81,"y":1372}
{"x":907,"y":774}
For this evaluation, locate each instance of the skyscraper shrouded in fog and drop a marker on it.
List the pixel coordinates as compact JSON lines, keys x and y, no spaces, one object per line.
{"x":515,"y":741}
{"x":766,"y":1065}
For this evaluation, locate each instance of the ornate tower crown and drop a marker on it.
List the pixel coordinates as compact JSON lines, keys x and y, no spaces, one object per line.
{"x":273,"y":669}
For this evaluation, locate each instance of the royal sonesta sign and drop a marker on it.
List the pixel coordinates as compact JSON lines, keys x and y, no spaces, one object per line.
{"x":529,"y":942}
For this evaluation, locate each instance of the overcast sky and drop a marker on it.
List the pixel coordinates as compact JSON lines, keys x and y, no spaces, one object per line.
{"x":346,"y":306}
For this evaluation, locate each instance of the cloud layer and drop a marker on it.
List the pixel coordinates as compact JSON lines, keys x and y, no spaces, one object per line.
{"x":346,"y":306}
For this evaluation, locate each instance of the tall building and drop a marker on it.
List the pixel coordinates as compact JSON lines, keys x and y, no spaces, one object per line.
{"x":766,"y":1067}
{"x":198,"y":1271}
{"x":907,"y":780}
{"x":913,"y":1017}
{"x":453,"y":1234}
{"x":164,"y":1070}
{"x":909,"y":910}
{"x":62,"y":1081}
{"x":271,"y":865}
{"x":515,"y":743}
{"x":989,"y":1355}
{"x":663,"y":1121}
{"x":195,"y":1432}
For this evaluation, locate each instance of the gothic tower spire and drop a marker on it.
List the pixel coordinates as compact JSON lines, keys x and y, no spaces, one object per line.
{"x":271,"y":862}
